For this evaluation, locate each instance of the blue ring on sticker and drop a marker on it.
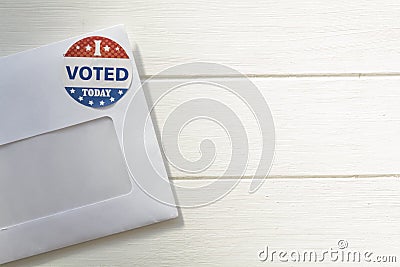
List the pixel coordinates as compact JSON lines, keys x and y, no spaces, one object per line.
{"x":97,"y":71}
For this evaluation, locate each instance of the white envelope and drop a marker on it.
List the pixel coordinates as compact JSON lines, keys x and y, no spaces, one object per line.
{"x":72,"y":170}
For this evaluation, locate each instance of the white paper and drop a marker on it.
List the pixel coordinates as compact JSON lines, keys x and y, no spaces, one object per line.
{"x":64,"y":175}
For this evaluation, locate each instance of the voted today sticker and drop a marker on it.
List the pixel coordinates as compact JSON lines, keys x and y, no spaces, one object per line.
{"x":97,"y":71}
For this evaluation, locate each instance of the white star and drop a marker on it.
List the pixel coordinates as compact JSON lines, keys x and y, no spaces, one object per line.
{"x":120,"y":92}
{"x":112,"y":99}
{"x":91,"y":102}
{"x":78,"y":47}
{"x":106,"y":48}
{"x":117,"y":48}
{"x":72,"y":91}
{"x":88,"y":47}
{"x":80,"y":98}
{"x":101,"y":103}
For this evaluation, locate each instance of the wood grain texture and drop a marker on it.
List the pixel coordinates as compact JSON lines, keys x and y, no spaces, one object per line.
{"x":331,"y":122}
{"x":296,"y":214}
{"x":257,"y":37}
{"x":324,"y":126}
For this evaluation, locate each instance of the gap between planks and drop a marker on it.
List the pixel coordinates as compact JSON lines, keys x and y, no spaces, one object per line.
{"x":355,"y":176}
{"x":283,"y":75}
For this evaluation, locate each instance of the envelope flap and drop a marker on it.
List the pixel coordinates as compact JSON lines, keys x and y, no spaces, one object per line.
{"x":33,"y":96}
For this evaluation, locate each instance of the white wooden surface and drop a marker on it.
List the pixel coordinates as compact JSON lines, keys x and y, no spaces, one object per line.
{"x":329,"y":71}
{"x":286,"y":214}
{"x":256,"y":37}
{"x":324,"y":126}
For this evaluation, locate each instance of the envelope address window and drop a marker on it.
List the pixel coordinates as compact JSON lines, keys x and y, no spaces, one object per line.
{"x":61,"y":170}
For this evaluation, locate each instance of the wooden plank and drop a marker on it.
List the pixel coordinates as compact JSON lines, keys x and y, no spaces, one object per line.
{"x":286,"y":214}
{"x":324,"y":126}
{"x":261,"y":37}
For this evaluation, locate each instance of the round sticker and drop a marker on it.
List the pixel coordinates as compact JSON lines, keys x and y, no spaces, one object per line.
{"x":97,"y":71}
